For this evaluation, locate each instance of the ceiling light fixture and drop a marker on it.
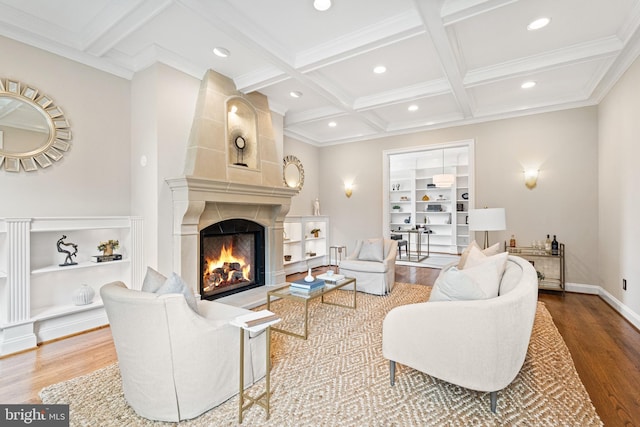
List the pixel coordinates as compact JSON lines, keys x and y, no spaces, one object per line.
{"x":413,"y":107}
{"x":321,"y":5}
{"x":295,"y":94}
{"x":443,"y":180}
{"x":332,"y":124}
{"x":221,"y":52}
{"x":380,"y":69}
{"x":528,"y":85}
{"x":538,"y":23}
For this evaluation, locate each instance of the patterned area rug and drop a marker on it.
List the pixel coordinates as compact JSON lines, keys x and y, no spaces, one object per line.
{"x":338,"y":377}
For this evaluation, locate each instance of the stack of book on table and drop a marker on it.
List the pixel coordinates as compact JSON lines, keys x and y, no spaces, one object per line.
{"x":256,"y":320}
{"x":303,"y":287}
{"x":330,"y":278}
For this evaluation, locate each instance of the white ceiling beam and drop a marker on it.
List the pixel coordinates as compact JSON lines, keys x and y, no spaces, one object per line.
{"x":119,"y":21}
{"x":458,"y":10}
{"x":407,"y":93}
{"x":384,"y":33}
{"x":431,"y":18}
{"x":583,"y":52}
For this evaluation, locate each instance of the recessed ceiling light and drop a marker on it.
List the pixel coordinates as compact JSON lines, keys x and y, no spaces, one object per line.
{"x":322,"y":5}
{"x":413,"y":107}
{"x":332,"y":124}
{"x":528,"y":85}
{"x":380,"y":69}
{"x":221,"y":52}
{"x":295,"y":94}
{"x":538,"y":23}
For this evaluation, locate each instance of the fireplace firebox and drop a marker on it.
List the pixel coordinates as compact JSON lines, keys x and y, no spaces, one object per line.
{"x":232,"y":258}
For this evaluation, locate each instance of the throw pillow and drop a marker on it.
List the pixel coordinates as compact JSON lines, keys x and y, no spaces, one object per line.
{"x":491,"y":250}
{"x":454,"y":285}
{"x":175,"y":285}
{"x":152,"y":280}
{"x":372,"y":250}
{"x":487,"y":276}
{"x":476,"y":257}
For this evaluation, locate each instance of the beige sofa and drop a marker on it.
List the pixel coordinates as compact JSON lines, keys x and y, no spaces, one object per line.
{"x":175,"y":363}
{"x":480,"y":345}
{"x":372,"y":276}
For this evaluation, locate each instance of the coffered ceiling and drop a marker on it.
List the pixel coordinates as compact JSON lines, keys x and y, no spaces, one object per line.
{"x":457,"y":61}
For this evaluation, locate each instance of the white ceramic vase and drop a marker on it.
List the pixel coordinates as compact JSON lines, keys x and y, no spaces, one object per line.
{"x":83,"y":295}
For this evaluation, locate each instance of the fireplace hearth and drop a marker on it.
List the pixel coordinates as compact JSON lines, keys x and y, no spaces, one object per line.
{"x":232,"y":258}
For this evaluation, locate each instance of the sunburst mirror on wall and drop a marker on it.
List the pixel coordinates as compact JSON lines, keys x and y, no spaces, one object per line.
{"x":33,"y":130}
{"x":293,"y":172}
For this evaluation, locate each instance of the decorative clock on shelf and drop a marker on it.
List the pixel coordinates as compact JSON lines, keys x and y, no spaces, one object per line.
{"x":240,"y":144}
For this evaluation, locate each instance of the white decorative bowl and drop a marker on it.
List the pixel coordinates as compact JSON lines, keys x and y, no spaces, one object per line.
{"x":83,"y":295}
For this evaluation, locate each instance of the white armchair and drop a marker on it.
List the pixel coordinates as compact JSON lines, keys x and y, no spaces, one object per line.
{"x":175,"y":363}
{"x":477,"y":344}
{"x":373,"y":264}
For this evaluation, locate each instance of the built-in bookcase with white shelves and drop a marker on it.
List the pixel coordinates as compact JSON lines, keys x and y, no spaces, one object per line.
{"x":413,"y":201}
{"x":36,"y":292}
{"x":302,"y":248}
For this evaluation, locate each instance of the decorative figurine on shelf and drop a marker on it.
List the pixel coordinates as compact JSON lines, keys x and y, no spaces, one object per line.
{"x":67,"y":260}
{"x":309,"y":277}
{"x":316,"y":207}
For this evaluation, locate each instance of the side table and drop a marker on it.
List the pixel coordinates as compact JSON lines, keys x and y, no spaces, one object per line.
{"x":335,"y":253}
{"x":242,"y":323}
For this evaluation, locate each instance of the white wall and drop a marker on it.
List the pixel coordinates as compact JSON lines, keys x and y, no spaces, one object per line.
{"x":93,"y":177}
{"x":315,"y":177}
{"x":563,"y":145}
{"x":619,"y":176}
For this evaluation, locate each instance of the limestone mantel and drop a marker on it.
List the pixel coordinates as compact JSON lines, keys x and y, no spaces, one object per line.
{"x":200,"y":202}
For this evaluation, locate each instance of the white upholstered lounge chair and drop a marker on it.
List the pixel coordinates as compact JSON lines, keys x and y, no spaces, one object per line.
{"x":175,"y":363}
{"x":373,"y":264}
{"x":477,"y":344}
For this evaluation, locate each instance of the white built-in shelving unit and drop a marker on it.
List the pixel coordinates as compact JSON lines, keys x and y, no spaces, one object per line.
{"x":36,"y":292}
{"x":305,"y":250}
{"x":412,"y":200}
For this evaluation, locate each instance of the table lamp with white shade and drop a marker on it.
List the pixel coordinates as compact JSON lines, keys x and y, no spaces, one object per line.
{"x":487,"y":219}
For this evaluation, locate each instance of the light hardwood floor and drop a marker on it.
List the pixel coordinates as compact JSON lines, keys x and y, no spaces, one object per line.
{"x":604,"y":346}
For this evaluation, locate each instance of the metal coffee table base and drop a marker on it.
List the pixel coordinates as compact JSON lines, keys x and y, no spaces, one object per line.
{"x":285,"y":293}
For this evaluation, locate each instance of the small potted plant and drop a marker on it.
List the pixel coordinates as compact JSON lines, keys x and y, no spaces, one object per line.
{"x":315,"y":232}
{"x":108,"y":246}
{"x":396,"y":208}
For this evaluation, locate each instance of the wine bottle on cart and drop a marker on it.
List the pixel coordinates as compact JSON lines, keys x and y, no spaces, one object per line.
{"x":554,"y":246}
{"x":547,"y":245}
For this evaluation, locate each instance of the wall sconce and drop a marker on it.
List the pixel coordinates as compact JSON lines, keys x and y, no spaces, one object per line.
{"x":348,"y":189}
{"x":531,"y":178}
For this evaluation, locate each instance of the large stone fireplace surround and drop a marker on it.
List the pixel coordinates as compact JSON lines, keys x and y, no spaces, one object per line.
{"x":213,"y":189}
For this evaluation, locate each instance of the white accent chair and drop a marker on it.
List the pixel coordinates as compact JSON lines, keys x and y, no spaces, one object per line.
{"x":175,"y":363}
{"x":373,"y":276}
{"x":480,"y":345}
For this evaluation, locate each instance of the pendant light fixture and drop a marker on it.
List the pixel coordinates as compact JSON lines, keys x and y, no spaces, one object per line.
{"x":443,"y":180}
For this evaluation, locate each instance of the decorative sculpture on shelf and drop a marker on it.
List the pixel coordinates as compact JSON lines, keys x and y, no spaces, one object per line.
{"x":316,"y":207}
{"x":68,"y":260}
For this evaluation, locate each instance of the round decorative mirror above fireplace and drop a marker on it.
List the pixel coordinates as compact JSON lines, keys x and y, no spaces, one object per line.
{"x":293,"y":172}
{"x":33,"y":130}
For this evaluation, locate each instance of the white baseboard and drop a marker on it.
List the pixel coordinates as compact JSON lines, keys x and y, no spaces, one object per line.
{"x":57,"y":327}
{"x":581,"y":288}
{"x":17,"y":337}
{"x":617,"y":305}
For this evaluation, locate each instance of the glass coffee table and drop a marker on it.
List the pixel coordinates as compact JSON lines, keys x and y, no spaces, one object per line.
{"x":285,"y":292}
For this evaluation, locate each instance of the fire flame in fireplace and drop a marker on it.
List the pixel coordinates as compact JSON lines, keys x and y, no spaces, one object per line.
{"x":225,"y":270}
